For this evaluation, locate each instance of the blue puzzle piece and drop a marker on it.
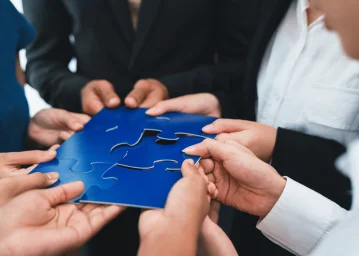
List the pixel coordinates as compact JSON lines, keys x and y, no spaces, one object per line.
{"x":150,"y":150}
{"x":95,"y":177}
{"x":137,"y":188}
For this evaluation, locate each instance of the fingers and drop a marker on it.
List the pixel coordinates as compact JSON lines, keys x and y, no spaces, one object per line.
{"x":188,"y":168}
{"x":98,"y":94}
{"x":226,"y":126}
{"x":207,"y":165}
{"x":214,"y":208}
{"x":172,"y":105}
{"x":107,"y":95}
{"x":139,"y":93}
{"x":63,"y":193}
{"x":63,"y":136}
{"x":101,"y":215}
{"x":13,"y":186}
{"x":27,"y":157}
{"x":82,"y":117}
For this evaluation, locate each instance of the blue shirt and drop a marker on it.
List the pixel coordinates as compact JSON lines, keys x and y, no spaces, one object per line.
{"x":15,"y":34}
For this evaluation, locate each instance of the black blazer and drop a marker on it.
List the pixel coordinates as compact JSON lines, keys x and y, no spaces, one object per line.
{"x":173,"y":38}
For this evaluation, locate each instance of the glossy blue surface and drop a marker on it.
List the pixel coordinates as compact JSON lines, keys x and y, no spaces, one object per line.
{"x":114,"y":140}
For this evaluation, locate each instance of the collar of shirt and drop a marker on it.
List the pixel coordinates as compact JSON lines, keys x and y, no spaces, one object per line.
{"x":302,"y":18}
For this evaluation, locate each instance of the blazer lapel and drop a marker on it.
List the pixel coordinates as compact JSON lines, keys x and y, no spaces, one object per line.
{"x":148,"y":13}
{"x":273,"y":13}
{"x":121,"y":12}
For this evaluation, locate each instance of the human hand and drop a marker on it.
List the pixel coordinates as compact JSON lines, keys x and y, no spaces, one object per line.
{"x":212,"y":239}
{"x":174,"y":230}
{"x":11,"y":163}
{"x":146,"y":93}
{"x":37,"y":223}
{"x":11,"y":187}
{"x":96,"y":95}
{"x":202,"y":103}
{"x":259,"y":138}
{"x":243,"y":181}
{"x":52,"y":126}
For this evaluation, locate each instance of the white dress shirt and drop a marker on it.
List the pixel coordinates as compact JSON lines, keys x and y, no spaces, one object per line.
{"x":304,"y":222}
{"x":300,"y":219}
{"x":344,"y":238}
{"x":306,"y":82}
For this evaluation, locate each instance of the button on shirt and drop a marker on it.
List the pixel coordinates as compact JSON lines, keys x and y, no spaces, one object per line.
{"x":306,"y":82}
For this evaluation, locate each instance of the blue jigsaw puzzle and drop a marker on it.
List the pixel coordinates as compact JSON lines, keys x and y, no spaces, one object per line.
{"x":115,"y":139}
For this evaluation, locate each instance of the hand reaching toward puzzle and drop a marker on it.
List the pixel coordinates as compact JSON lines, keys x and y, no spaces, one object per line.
{"x":53,"y":126}
{"x":11,"y":163}
{"x":146,"y":93}
{"x":212,"y":239}
{"x":259,"y":138}
{"x":174,"y":230}
{"x":203,"y":103}
{"x":98,"y":94}
{"x":243,"y":181}
{"x":37,"y":223}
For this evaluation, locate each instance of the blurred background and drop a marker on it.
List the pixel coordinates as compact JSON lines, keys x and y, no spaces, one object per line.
{"x":36,"y":103}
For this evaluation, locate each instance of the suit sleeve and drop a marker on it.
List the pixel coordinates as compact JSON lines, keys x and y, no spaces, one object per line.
{"x":49,"y":55}
{"x":310,"y":160}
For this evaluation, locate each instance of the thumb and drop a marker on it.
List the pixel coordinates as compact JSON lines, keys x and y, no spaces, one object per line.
{"x":14,"y":186}
{"x":107,"y":95}
{"x":226,"y":126}
{"x":139,"y":93}
{"x":172,"y":105}
{"x":63,"y":193}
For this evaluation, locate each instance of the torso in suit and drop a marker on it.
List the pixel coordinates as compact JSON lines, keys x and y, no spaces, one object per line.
{"x":172,"y":37}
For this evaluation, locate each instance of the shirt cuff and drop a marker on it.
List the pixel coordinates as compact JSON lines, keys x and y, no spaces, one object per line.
{"x":300,"y":218}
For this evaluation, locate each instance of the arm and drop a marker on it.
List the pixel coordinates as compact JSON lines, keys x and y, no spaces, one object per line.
{"x":49,"y":55}
{"x":19,"y":72}
{"x":300,"y":219}
{"x":310,"y":160}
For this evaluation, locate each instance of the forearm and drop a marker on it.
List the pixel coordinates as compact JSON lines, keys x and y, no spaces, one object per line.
{"x":57,"y":85}
{"x":310,"y":160}
{"x":213,"y":241}
{"x":172,"y":241}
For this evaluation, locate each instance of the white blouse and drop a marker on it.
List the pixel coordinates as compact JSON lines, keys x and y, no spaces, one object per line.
{"x":306,"y":82}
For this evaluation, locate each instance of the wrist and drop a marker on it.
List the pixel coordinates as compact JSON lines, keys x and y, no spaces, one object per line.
{"x":274,"y":194}
{"x":169,"y":240}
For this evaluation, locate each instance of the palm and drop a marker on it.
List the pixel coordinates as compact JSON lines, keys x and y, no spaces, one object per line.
{"x":64,"y":226}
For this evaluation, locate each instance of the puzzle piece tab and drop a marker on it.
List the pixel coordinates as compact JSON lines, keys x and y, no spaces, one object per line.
{"x":93,"y":178}
{"x":151,"y":151}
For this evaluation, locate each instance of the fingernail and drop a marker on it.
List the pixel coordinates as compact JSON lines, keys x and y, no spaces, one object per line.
{"x":151,"y":111}
{"x":113,"y":101}
{"x":188,"y":150}
{"x":50,"y":153}
{"x":208,"y":128}
{"x":53,"y":176}
{"x":79,"y":125}
{"x":190,"y":161}
{"x":216,"y":193}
